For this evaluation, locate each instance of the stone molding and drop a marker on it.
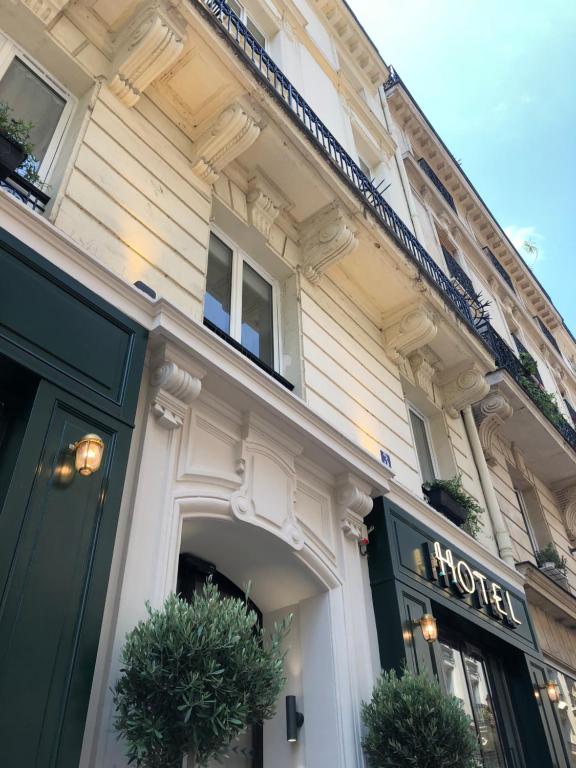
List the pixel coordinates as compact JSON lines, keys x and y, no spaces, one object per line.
{"x":491,"y":413}
{"x":327,"y":237}
{"x":407,"y":330}
{"x":354,"y":503}
{"x":264,"y":204}
{"x":45,"y":10}
{"x":423,"y":373}
{"x":463,"y":385}
{"x":147,"y":46}
{"x":566,"y":499}
{"x":173,"y":390}
{"x":231,"y":133}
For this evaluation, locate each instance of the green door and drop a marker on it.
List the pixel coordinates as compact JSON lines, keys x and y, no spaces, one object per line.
{"x":56,"y":540}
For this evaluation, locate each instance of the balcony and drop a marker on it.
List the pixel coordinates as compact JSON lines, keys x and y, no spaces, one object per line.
{"x":457,"y":273}
{"x":26,"y":192}
{"x":437,"y":183}
{"x":499,"y":268}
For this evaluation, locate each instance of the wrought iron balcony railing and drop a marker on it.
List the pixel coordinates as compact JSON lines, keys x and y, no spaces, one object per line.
{"x":28,"y":193}
{"x":437,"y":183}
{"x":220,"y":13}
{"x":548,"y":334}
{"x":505,"y":358}
{"x":571,"y":411}
{"x":457,"y":273}
{"x":499,"y":268}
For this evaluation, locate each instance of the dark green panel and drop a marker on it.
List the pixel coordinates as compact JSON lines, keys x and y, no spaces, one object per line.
{"x":56,"y":543}
{"x":419,"y":653}
{"x":547,"y":721}
{"x":53,"y":325}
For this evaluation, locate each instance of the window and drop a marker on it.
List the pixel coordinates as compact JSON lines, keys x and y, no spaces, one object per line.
{"x":241,"y":300}
{"x":240,"y":11}
{"x":527,"y":522}
{"x":36,"y":99}
{"x":422,"y":443}
{"x":565,"y":712}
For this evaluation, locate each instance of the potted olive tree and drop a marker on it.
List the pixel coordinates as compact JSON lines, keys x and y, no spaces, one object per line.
{"x":450,"y":498}
{"x":410,"y":722}
{"x":15,"y":144}
{"x":194,"y":675}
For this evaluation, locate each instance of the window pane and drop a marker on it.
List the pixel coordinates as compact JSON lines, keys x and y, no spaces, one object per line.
{"x":422,"y":448}
{"x":566,"y":712}
{"x":218,"y":284}
{"x":255,"y":32}
{"x":236,"y":8}
{"x":33,"y":101}
{"x":455,"y":678}
{"x":257,"y":325}
{"x":490,"y":744}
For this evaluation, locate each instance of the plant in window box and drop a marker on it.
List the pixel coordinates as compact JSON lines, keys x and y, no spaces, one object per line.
{"x":551,"y":562}
{"x":15,"y":143}
{"x":194,"y":675}
{"x":450,"y":498}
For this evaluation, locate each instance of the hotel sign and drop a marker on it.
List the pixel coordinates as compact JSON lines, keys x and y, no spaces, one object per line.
{"x":467,"y":581}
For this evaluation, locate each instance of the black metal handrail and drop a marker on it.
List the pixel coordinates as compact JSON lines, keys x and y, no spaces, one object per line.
{"x":499,"y":268}
{"x":547,"y":333}
{"x":457,"y":272}
{"x":221,"y":14}
{"x":437,"y":183}
{"x":25,"y":191}
{"x":571,"y":411}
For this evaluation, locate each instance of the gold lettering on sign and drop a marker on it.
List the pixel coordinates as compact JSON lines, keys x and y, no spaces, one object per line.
{"x":458,"y":575}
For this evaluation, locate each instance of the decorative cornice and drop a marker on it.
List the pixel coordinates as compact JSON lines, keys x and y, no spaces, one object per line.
{"x":491,"y":413}
{"x":327,"y":237}
{"x":232,"y":133}
{"x":45,"y":10}
{"x":463,"y":385}
{"x":407,"y":330}
{"x":354,"y":503}
{"x":147,"y":46}
{"x":174,"y":388}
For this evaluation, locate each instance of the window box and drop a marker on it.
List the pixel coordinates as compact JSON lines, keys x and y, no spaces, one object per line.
{"x":446,"y":505}
{"x":11,"y":156}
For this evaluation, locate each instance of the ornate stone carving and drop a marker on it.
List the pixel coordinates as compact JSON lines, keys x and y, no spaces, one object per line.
{"x":173,"y":390}
{"x":491,"y":413}
{"x":264,"y":204}
{"x":45,"y":10}
{"x":354,"y":502}
{"x":327,"y":237}
{"x":461,"y":386}
{"x":407,"y":330}
{"x":423,"y":373}
{"x":566,"y":499}
{"x":147,"y":46}
{"x":232,"y":133}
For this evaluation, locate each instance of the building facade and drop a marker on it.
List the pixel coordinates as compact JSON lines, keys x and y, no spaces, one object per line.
{"x":249,"y":264}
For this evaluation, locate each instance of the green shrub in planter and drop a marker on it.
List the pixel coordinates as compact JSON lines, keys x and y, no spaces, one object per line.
{"x":193,"y":676}
{"x":411,"y":723}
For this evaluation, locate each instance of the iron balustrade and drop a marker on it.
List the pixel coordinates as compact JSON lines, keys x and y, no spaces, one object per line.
{"x":437,"y":183}
{"x":221,"y":14}
{"x":24,"y":190}
{"x":548,"y":334}
{"x":571,"y":411}
{"x":457,"y":272}
{"x":499,"y":268}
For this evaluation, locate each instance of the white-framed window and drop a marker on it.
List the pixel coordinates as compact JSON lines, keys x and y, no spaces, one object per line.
{"x":242,"y":300}
{"x":527,"y":521}
{"x":423,"y":444}
{"x":245,"y":18}
{"x":35,"y":97}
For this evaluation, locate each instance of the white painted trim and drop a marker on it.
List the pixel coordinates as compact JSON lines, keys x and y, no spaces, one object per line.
{"x":412,"y":408}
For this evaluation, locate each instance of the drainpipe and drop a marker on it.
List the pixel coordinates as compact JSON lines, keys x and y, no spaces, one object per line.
{"x":501,"y":533}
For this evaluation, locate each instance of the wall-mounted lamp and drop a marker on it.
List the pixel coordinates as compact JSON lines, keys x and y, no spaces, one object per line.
{"x":294,"y":719}
{"x":88,"y":454}
{"x":552,"y":691}
{"x":427,"y":624}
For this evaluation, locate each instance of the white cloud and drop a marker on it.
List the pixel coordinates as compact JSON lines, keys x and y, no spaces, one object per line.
{"x":519,"y":236}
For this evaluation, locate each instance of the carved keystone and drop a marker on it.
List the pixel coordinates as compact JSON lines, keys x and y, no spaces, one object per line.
{"x":232,"y":133}
{"x":264,"y":204}
{"x":327,"y":237}
{"x":173,"y":389}
{"x":147,"y":46}
{"x":354,"y":503}
{"x":491,"y":413}
{"x":408,"y":329}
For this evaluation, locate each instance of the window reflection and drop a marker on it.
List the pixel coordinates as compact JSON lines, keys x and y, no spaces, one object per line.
{"x":217,"y":298}
{"x":257,"y":324}
{"x":566,"y":712}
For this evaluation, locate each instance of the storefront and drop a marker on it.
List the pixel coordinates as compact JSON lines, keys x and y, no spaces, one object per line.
{"x":485,"y":653}
{"x":70,"y":372}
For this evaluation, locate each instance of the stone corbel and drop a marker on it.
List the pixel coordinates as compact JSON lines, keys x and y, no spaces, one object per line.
{"x":354,"y":503}
{"x":491,"y":413}
{"x":174,"y":388}
{"x":461,"y":386}
{"x":45,"y":10}
{"x":146,"y":47}
{"x":264,"y":204}
{"x":423,"y":373}
{"x":566,"y":499}
{"x":407,"y":330}
{"x":232,"y":133}
{"x":327,"y":237}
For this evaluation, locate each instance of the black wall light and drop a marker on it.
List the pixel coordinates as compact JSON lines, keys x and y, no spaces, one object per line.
{"x":294,"y":719}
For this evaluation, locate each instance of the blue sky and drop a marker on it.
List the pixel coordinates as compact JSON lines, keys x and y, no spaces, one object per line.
{"x":497,"y":80}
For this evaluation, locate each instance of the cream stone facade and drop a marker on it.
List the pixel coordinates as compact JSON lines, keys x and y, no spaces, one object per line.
{"x":179,"y":127}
